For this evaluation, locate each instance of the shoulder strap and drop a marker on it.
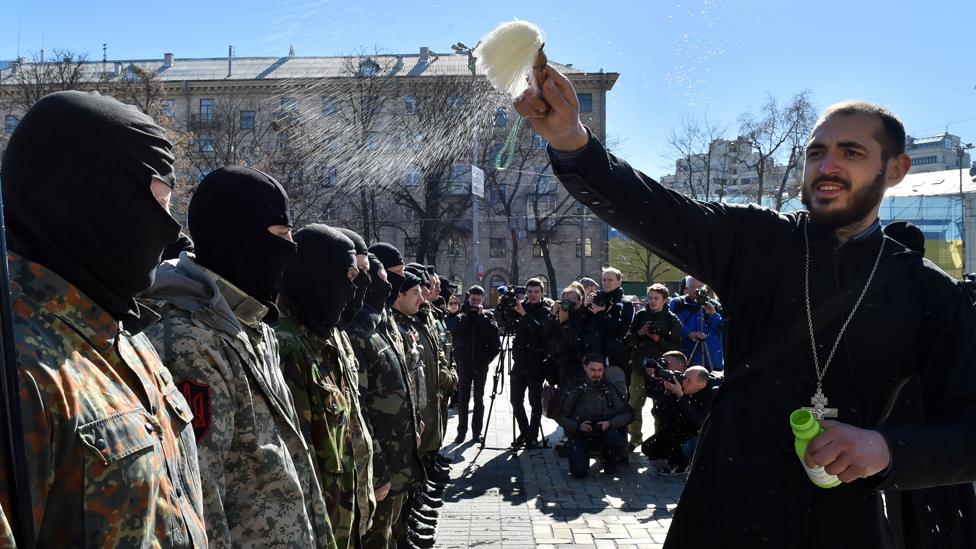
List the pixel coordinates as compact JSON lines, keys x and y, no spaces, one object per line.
{"x":798,"y":331}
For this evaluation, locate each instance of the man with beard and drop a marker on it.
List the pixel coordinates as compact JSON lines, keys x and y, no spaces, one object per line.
{"x":388,"y":399}
{"x":317,"y":286}
{"x":879,"y":312}
{"x":110,"y":456}
{"x":217,"y":304}
{"x":654,"y":331}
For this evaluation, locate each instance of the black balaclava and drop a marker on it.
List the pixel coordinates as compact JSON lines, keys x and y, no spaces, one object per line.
{"x":362,"y":280}
{"x":379,"y":289}
{"x":390,"y":257}
{"x":315,"y":286}
{"x":229,"y":216}
{"x":76,"y":176}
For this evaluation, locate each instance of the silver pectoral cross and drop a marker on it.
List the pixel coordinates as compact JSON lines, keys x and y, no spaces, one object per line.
{"x":819,"y":407}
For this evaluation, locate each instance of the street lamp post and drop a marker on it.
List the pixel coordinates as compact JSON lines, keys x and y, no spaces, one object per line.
{"x":462,"y":49}
{"x":961,"y":151}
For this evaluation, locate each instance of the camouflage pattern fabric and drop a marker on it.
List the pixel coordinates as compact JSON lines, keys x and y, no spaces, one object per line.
{"x":388,"y":512}
{"x":388,"y":401}
{"x":309,"y":365}
{"x":435,"y":364}
{"x":111,"y":458}
{"x":259,"y":483}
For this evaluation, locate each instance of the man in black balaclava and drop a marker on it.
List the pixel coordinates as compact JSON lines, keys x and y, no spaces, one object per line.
{"x":85,"y":183}
{"x":392,"y":262}
{"x":318,"y":286}
{"x":215,"y":338}
{"x":389,"y":399}
{"x":362,"y":279}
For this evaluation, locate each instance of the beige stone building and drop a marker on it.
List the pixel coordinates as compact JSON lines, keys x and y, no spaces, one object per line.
{"x":378,"y":143}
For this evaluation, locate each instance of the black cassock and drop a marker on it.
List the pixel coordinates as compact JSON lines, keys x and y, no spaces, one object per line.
{"x":747,"y":487}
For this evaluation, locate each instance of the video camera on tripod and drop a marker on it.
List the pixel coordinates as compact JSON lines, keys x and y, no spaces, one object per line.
{"x":505,"y":313}
{"x":701,"y":296}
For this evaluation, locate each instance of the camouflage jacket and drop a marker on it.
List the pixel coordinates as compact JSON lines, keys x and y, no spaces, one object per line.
{"x":435,"y":365}
{"x":259,"y":483}
{"x":324,"y":382}
{"x":412,"y":352}
{"x":109,"y":464}
{"x":388,"y":400}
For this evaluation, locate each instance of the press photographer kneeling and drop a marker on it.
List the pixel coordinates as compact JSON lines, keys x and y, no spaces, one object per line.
{"x":594,"y":415}
{"x":676,"y":427}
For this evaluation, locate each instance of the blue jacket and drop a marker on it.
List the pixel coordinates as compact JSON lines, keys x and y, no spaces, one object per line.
{"x":712,"y":326}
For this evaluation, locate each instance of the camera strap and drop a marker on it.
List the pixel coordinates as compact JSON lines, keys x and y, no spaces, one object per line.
{"x":798,"y":331}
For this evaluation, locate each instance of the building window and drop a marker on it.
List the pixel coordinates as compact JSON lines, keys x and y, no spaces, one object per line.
{"x":455,"y":247}
{"x":458,"y":184}
{"x":501,"y":118}
{"x":289,"y":104}
{"x":546,"y":204}
{"x":169,"y":108}
{"x":372,"y":141}
{"x":368,"y":68}
{"x":413,"y":177}
{"x":536,"y":249}
{"x":409,"y":248}
{"x":538,"y":143}
{"x":493,"y":153}
{"x":454,"y":102}
{"x":922,"y":160}
{"x":207,"y":109}
{"x":10,"y":124}
{"x":498,"y":247}
{"x":585,"y":102}
{"x":247,"y":120}
{"x":415,"y":139}
{"x":544,"y":183}
{"x":588,"y":243}
{"x":371,"y":104}
{"x":328,"y":177}
{"x":206,"y":143}
{"x":410,"y":104}
{"x":329,"y":106}
{"x":498,"y":193}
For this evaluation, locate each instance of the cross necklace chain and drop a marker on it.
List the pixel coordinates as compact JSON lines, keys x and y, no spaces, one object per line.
{"x":819,"y":401}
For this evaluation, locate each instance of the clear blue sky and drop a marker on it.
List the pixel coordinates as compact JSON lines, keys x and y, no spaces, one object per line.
{"x":698,"y":57}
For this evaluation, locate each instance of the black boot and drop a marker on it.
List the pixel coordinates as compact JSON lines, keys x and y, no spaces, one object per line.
{"x":420,"y":527}
{"x":422,"y":518}
{"x":425,"y":542}
{"x":434,"y":489}
{"x":443,"y":460}
{"x":429,"y":501}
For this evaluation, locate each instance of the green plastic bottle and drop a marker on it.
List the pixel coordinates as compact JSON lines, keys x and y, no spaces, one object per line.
{"x":805,"y":428}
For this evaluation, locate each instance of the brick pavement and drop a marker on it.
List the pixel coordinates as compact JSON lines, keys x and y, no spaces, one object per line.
{"x":529,"y":499}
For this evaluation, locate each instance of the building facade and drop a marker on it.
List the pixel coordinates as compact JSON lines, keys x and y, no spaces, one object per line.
{"x":378,"y":143}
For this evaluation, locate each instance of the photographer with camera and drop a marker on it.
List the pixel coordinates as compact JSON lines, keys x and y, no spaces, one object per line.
{"x":529,"y":322}
{"x":593,"y":416}
{"x":476,"y":345}
{"x":691,"y":392}
{"x":609,"y":322}
{"x":655,"y":331}
{"x":702,"y":325}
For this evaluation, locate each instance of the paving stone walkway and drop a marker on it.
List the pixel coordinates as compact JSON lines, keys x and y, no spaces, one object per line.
{"x":528,"y":499}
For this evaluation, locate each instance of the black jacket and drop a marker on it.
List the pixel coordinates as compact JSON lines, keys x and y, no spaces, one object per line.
{"x":606,"y":331}
{"x":918,"y":322}
{"x":476,"y":341}
{"x":595,"y":402}
{"x":529,"y":345}
{"x":665,"y":324}
{"x":564,"y":349}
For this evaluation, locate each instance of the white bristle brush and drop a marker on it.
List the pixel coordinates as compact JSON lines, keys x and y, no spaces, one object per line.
{"x":512,"y":58}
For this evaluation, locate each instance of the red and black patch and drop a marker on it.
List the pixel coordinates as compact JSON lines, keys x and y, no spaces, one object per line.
{"x":197,"y":395}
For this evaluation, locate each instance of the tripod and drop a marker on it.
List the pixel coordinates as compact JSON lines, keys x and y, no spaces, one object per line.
{"x":498,"y":382}
{"x":704,"y":346}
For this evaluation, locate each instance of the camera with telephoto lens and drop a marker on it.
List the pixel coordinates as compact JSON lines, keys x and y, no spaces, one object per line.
{"x":656,"y":327}
{"x":566,"y":305}
{"x":661,"y":370}
{"x":505,"y":313}
{"x":701,"y":296}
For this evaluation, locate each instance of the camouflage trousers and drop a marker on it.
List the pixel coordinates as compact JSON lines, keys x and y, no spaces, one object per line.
{"x":386,"y":518}
{"x":340,"y":500}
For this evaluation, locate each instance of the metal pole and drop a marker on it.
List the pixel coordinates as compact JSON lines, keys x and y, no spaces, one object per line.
{"x":962,"y":204}
{"x":475,"y":255}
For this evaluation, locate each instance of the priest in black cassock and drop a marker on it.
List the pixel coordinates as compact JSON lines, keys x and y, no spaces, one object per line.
{"x":824,"y":311}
